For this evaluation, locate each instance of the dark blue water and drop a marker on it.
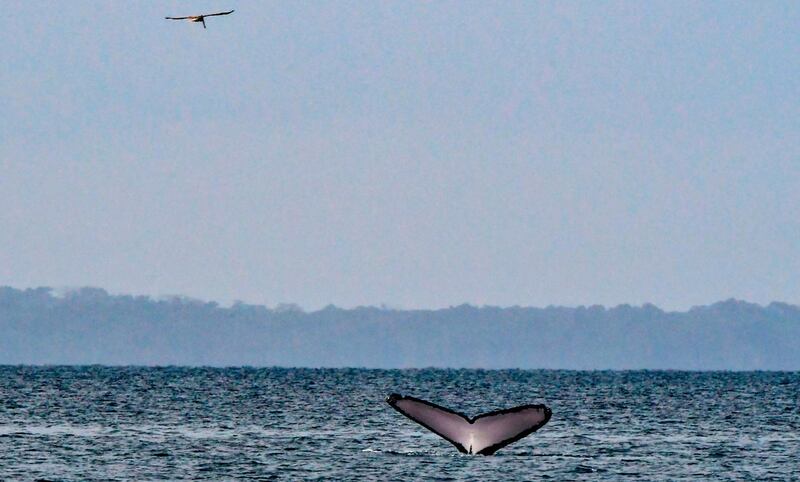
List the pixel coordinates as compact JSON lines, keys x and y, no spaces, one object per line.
{"x":63,"y":423}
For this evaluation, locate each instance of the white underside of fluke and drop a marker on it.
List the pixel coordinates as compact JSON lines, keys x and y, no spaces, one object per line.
{"x":483,"y":434}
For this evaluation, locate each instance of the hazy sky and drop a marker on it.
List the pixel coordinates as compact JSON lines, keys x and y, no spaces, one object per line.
{"x":419,"y":154}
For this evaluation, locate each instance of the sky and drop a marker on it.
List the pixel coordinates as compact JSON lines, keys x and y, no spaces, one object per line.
{"x":416,"y":154}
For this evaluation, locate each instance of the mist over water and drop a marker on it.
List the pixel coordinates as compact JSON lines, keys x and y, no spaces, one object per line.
{"x":92,"y":423}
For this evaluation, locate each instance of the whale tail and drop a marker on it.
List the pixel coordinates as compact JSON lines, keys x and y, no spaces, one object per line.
{"x":484,"y":434}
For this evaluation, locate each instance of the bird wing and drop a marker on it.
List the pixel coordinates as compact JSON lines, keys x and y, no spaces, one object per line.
{"x":451,"y":426}
{"x":216,"y":14}
{"x":495,"y":430}
{"x":177,"y":18}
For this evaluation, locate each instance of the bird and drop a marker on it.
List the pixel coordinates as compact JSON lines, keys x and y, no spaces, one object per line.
{"x":199,"y":18}
{"x":481,"y":435}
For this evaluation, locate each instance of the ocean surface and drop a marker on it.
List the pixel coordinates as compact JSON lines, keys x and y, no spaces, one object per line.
{"x":104,"y":423}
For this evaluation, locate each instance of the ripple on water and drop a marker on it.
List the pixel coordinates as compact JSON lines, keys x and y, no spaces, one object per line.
{"x":63,"y":423}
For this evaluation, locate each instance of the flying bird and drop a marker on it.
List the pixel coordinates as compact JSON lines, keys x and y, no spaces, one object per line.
{"x":199,"y":18}
{"x":481,"y":435}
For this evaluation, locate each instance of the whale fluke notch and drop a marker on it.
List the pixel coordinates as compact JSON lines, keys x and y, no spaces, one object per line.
{"x":484,"y":434}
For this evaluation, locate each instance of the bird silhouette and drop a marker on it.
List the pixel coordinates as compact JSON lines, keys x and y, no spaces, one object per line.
{"x":199,"y":18}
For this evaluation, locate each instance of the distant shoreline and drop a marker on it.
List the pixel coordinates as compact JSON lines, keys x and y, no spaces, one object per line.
{"x":91,"y":327}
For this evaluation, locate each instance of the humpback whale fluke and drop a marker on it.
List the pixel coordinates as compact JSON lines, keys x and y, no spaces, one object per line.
{"x":484,"y":435}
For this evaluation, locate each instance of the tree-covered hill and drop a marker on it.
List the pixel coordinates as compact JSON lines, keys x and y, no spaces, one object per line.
{"x":90,"y":326}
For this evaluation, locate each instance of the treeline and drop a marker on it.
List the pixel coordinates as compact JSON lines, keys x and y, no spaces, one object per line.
{"x":89,"y":326}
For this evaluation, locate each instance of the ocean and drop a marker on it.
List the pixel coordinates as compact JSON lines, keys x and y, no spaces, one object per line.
{"x":137,"y":423}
